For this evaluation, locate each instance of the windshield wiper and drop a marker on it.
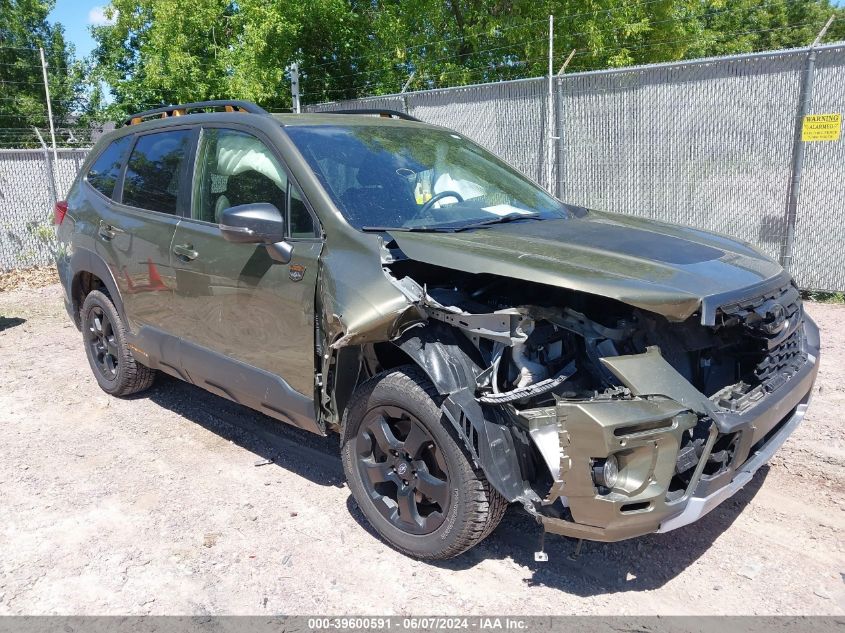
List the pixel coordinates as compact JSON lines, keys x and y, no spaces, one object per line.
{"x":408,"y":229}
{"x":501,"y":219}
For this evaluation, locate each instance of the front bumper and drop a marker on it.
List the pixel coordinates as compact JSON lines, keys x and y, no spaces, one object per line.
{"x":645,"y":433}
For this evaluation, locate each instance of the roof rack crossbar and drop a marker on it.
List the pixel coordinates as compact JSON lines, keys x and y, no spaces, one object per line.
{"x":185,"y":108}
{"x":379,"y":111}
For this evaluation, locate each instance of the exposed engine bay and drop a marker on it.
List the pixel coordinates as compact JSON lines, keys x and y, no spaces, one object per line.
{"x":539,"y":343}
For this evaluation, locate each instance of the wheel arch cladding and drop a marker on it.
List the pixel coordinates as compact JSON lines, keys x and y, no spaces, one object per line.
{"x":446,"y":358}
{"x":84,"y":263}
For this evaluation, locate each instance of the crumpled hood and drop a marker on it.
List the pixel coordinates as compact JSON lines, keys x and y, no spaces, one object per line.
{"x":663,"y":268}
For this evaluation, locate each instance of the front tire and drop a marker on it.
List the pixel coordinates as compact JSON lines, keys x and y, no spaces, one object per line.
{"x":104,"y":335}
{"x":407,"y":471}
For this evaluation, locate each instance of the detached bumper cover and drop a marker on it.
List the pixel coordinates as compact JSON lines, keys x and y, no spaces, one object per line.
{"x":697,"y":507}
{"x":645,"y":433}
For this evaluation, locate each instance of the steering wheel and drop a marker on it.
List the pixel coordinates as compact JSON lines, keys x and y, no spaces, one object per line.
{"x":439,"y":196}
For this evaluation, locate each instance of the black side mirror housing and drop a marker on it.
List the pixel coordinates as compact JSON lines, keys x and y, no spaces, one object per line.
{"x":257,"y":223}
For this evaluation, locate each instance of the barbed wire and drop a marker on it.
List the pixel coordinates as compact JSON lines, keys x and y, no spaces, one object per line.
{"x":570,"y":16}
{"x":19,"y":48}
{"x":442,"y":59}
{"x":593,"y":52}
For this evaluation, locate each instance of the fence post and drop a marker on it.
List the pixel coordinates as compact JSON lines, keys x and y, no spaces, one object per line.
{"x":805,"y":97}
{"x":550,"y":118}
{"x":51,"y":178}
{"x":404,"y":92}
{"x":294,"y":87}
{"x":49,"y":105}
{"x":559,"y":123}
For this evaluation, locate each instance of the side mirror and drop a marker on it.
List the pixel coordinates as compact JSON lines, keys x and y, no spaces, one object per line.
{"x":257,"y":223}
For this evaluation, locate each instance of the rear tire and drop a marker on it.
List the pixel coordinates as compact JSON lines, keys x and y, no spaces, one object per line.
{"x":104,"y":336}
{"x":409,"y":473}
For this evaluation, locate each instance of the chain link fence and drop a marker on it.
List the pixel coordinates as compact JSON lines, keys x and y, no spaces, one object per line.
{"x":707,"y":143}
{"x":819,"y":251}
{"x":26,"y":202}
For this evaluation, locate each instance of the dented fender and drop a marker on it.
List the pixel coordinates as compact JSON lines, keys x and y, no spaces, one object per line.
{"x":358,"y":307}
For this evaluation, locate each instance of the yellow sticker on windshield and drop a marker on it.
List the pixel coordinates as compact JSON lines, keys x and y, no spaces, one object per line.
{"x":822,"y":127}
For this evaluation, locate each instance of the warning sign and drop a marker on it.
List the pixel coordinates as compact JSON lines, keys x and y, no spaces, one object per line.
{"x":822,"y":127}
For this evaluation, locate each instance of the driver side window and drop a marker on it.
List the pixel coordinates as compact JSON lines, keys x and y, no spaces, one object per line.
{"x":235,"y":168}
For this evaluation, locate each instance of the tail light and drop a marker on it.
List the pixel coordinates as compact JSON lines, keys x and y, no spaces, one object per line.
{"x":59,"y":211}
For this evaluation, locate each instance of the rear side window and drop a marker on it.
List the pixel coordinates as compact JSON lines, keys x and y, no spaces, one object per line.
{"x":154,"y":173}
{"x":105,"y":171}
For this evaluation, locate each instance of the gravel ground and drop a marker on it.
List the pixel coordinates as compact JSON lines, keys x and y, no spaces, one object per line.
{"x":166,"y":504}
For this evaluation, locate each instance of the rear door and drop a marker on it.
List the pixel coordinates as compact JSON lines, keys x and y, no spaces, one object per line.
{"x":246,"y":322}
{"x":135,"y":233}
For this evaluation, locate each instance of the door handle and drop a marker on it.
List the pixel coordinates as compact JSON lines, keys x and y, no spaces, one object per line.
{"x":107,"y":231}
{"x":185,"y":252}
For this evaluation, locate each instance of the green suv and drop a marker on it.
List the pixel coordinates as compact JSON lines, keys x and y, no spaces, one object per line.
{"x":475,"y":341}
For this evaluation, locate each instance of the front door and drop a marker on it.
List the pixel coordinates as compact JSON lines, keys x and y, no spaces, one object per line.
{"x":246,"y":322}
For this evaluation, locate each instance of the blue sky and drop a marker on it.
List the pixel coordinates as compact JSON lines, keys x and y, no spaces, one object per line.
{"x":77,"y":16}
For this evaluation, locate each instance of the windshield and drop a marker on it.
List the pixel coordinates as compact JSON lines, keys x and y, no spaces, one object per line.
{"x":417,"y":178}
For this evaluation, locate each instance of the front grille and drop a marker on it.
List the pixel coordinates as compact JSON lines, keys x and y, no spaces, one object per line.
{"x":772,"y":323}
{"x":752,"y":312}
{"x":782,"y":360}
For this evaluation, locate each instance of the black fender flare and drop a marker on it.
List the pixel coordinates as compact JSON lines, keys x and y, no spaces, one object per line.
{"x":449,"y":361}
{"x":85,"y":261}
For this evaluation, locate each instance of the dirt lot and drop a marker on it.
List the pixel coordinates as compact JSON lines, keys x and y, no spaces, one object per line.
{"x":160,"y":504}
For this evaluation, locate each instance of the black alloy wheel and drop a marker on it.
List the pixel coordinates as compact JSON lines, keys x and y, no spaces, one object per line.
{"x":102,"y":342}
{"x":402,"y":470}
{"x":104,"y":337}
{"x":410,"y":472}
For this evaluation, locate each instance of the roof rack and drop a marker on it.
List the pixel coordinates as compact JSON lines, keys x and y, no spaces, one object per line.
{"x":225,"y":105}
{"x":378,"y":111}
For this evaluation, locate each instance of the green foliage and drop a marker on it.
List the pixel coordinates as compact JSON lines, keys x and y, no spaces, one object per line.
{"x":158,"y":51}
{"x":23,"y":29}
{"x":823,"y":297}
{"x":44,"y":231}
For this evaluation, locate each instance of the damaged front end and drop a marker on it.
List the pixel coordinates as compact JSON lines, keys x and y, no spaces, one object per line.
{"x":604,"y":420}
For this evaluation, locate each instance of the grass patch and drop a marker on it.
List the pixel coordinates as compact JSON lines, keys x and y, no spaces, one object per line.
{"x":823,"y":297}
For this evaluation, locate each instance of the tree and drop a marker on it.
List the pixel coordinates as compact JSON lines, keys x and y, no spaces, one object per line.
{"x":23,"y":29}
{"x":157,"y":52}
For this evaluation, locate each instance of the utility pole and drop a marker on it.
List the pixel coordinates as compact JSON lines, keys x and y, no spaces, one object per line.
{"x":805,"y":97}
{"x":550,"y":123}
{"x":294,"y":86}
{"x":49,"y":107}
